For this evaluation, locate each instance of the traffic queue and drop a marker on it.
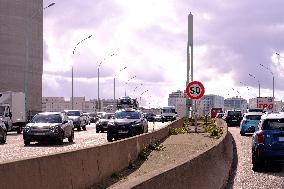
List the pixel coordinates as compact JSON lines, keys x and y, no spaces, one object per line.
{"x":267,"y":130}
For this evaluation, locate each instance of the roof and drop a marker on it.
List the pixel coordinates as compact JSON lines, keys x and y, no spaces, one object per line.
{"x":49,"y":113}
{"x":279,"y":115}
{"x":253,"y":113}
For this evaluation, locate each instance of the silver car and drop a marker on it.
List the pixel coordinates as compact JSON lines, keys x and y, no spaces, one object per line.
{"x":49,"y":126}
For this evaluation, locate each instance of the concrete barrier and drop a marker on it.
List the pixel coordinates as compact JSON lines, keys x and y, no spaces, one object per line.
{"x":207,"y":169}
{"x":77,"y":169}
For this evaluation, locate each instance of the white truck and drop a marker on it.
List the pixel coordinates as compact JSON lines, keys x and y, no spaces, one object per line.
{"x":169,"y":113}
{"x":12,"y":110}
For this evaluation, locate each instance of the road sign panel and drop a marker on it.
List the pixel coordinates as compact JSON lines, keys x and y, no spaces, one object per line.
{"x":195,"y":90}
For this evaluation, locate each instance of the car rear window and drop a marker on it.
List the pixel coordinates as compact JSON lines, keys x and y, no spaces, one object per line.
{"x":273,"y":124}
{"x":253,"y":117}
{"x":234,"y":113}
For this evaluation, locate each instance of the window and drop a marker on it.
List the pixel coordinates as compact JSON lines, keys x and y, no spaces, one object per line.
{"x":273,"y":124}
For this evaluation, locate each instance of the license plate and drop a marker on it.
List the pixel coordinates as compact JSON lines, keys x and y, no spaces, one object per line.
{"x":281,"y":139}
{"x":120,"y":131}
{"x":40,"y":134}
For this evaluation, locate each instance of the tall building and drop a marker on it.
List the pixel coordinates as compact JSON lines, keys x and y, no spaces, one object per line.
{"x":21,"y":49}
{"x":207,"y":102}
{"x":178,"y":100}
{"x":236,"y":103}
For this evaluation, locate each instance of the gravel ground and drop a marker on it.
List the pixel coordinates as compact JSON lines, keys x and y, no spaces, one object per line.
{"x":245,"y":177}
{"x":14,"y":148}
{"x":177,"y":149}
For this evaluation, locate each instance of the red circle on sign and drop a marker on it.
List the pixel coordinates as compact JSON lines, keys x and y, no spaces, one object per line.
{"x":199,"y":84}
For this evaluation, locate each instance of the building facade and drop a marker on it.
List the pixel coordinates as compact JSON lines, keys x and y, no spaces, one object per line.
{"x":178,"y":100}
{"x":207,"y":102}
{"x":236,"y":103}
{"x":21,"y":50}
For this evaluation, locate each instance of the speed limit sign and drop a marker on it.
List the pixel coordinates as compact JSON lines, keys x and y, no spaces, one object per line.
{"x":195,"y":90}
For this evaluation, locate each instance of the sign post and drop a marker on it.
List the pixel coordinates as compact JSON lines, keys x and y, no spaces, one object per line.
{"x":195,"y":90}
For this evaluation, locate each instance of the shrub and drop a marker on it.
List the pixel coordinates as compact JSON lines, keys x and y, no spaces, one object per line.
{"x":214,"y":130}
{"x":179,"y":130}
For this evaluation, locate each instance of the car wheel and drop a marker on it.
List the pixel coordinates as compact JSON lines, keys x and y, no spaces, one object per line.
{"x":257,"y":165}
{"x":79,"y":128}
{"x":97,"y":131}
{"x":4,"y":137}
{"x":27,"y":143}
{"x":109,"y":138}
{"x":84,"y":128}
{"x":242,"y":133}
{"x":19,"y":130}
{"x":71,"y":138}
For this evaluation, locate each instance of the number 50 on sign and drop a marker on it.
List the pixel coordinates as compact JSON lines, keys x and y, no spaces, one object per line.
{"x":195,"y":90}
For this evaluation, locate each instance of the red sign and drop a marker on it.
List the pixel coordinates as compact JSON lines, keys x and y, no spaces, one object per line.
{"x":195,"y":90}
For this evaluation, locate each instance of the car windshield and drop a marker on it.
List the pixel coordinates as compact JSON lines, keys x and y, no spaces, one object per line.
{"x":107,"y":116}
{"x":127,"y":115}
{"x":73,"y":113}
{"x":2,"y":109}
{"x":253,"y":117}
{"x":234,"y":113}
{"x":168,"y":110}
{"x":51,"y":118}
{"x":273,"y":124}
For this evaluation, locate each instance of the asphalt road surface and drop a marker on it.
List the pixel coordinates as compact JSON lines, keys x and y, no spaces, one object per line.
{"x":14,"y":148}
{"x":271,"y":177}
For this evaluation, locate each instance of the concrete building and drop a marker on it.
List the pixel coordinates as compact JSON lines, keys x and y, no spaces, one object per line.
{"x":178,"y":100}
{"x":58,"y":104}
{"x":207,"y":102}
{"x":21,"y":49}
{"x":236,"y":103}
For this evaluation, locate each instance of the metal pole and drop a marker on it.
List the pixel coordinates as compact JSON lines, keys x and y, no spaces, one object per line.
{"x":113,"y":92}
{"x":258,"y":89}
{"x":72,"y":91}
{"x":99,"y":89}
{"x":273,"y":86}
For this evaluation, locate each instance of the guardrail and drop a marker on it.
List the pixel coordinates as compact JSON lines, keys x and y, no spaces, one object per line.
{"x":78,"y":169}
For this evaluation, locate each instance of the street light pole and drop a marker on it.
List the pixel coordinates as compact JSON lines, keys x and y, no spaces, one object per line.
{"x":72,"y":98}
{"x":257,"y":82}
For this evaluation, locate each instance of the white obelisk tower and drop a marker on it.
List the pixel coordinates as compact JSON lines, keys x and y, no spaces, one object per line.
{"x":189,"y":57}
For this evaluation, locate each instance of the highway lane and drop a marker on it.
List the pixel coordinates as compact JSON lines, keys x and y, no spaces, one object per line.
{"x":245,"y":177}
{"x":14,"y":148}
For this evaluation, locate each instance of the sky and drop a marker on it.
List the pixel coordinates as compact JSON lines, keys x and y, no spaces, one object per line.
{"x":232,"y":39}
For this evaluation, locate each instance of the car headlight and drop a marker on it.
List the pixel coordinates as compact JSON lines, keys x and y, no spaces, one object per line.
{"x":55,"y":128}
{"x":136,"y":124}
{"x":27,"y":128}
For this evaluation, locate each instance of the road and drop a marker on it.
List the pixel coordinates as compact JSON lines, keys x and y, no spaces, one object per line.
{"x":14,"y":148}
{"x":245,"y":177}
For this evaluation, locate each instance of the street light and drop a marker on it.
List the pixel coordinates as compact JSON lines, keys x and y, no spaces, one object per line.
{"x":257,"y":82}
{"x":127,"y":83}
{"x":114,"y":83}
{"x":99,"y":105}
{"x":27,"y":65}
{"x":72,"y":68}
{"x":272,"y":77}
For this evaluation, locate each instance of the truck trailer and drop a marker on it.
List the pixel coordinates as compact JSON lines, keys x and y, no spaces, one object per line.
{"x":12,"y":110}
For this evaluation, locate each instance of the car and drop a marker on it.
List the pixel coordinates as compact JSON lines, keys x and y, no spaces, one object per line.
{"x":86,"y":117}
{"x":249,"y":123}
{"x":126,"y":123}
{"x":127,"y":102}
{"x":233,"y":117}
{"x":78,"y":119}
{"x":48,"y":126}
{"x":93,"y":117}
{"x":103,"y":122}
{"x":268,"y":141}
{"x":158,"y":118}
{"x":3,"y":132}
{"x":219,"y":115}
{"x":150,"y":116}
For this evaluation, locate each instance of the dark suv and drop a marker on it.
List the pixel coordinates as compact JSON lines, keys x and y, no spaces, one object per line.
{"x":126,"y":123}
{"x":233,"y":117}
